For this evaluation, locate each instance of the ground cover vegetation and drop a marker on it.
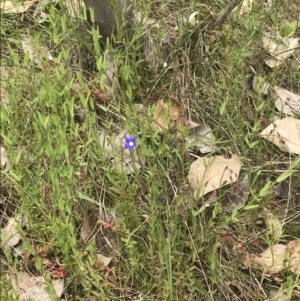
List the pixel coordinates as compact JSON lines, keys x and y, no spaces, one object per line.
{"x":105,"y":192}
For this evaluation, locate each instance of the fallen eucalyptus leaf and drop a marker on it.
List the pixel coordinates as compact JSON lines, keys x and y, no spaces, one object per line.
{"x":209,"y":174}
{"x":279,"y":52}
{"x":3,"y":90}
{"x":284,"y":133}
{"x":293,"y":256}
{"x":34,"y":288}
{"x":5,"y":163}
{"x":10,"y":235}
{"x":192,"y":18}
{"x":35,"y":52}
{"x":201,"y":138}
{"x":168,"y":114}
{"x":271,"y":261}
{"x":287,"y":102}
{"x":104,"y":260}
{"x":274,"y":225}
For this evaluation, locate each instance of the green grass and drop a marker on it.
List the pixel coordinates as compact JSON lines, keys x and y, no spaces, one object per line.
{"x":60,"y":172}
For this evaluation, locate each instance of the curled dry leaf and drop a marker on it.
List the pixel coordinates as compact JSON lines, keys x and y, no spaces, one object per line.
{"x":10,"y":235}
{"x":5,"y":164}
{"x":274,"y":225}
{"x":293,"y":256}
{"x":168,"y":114}
{"x":286,"y":102}
{"x":34,"y":288}
{"x":271,"y":261}
{"x":285,"y":133}
{"x":192,"y":18}
{"x":209,"y":174}
{"x":279,"y":51}
{"x":201,"y":137}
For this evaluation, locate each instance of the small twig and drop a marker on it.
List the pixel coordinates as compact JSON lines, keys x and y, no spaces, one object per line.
{"x":227,"y":11}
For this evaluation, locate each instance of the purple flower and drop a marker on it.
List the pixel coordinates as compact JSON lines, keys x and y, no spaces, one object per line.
{"x":130,"y":143}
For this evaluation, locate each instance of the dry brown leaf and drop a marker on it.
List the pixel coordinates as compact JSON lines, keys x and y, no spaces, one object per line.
{"x":280,"y":52}
{"x":287,"y":102}
{"x":168,"y":114}
{"x":5,"y":163}
{"x":209,"y":174}
{"x":10,"y":235}
{"x":86,"y":229}
{"x":34,"y":288}
{"x":293,"y":256}
{"x":192,"y":20}
{"x":35,"y":52}
{"x":104,"y":260}
{"x":3,"y":90}
{"x":274,"y":225}
{"x":285,"y":133}
{"x":16,"y":8}
{"x":201,"y":138}
{"x":3,"y":95}
{"x":271,"y":261}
